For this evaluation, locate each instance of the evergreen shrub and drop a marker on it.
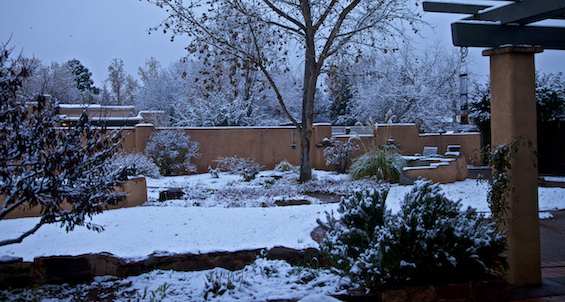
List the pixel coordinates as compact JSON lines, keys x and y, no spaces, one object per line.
{"x":430,"y":241}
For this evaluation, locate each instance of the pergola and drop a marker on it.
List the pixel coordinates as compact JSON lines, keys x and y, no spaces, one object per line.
{"x":512,"y":39}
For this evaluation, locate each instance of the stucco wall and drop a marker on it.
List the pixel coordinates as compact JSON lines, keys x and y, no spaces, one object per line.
{"x":136,"y":189}
{"x":271,"y":145}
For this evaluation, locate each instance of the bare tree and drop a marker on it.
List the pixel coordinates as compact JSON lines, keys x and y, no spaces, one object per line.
{"x":54,"y":79}
{"x":270,"y":33}
{"x":122,"y":85}
{"x":417,"y":85}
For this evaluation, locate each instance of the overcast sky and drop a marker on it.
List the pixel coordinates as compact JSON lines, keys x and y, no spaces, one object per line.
{"x":97,"y":31}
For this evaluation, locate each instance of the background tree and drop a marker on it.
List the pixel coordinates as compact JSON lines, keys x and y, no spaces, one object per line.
{"x":266,"y":34}
{"x":120,"y":85}
{"x":54,"y":79}
{"x":550,"y":97}
{"x":84,"y":83}
{"x":416,"y":85}
{"x":340,"y":100}
{"x":62,"y":172}
{"x":216,"y":93}
{"x":550,"y":103}
{"x":479,"y":111}
{"x":160,"y":88}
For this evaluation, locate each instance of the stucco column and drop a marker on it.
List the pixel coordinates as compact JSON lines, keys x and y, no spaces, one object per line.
{"x":319,"y":132}
{"x":142,"y":133}
{"x":513,"y":115}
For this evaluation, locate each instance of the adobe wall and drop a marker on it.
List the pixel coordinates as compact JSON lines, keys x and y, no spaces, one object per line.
{"x":96,"y":111}
{"x":268,"y":145}
{"x":271,"y":145}
{"x":470,"y":145}
{"x":410,"y":142}
{"x":136,"y":189}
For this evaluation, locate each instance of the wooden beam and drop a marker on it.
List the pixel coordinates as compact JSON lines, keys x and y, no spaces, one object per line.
{"x":470,"y":34}
{"x":454,"y":8}
{"x":524,"y":12}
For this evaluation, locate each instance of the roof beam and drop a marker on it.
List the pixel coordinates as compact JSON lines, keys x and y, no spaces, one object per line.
{"x":470,"y":34}
{"x":524,"y":12}
{"x":454,"y":8}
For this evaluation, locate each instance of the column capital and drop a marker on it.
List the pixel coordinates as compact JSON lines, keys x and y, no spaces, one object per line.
{"x":512,"y":49}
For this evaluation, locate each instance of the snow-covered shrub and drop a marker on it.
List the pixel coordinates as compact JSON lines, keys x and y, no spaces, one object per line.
{"x":172,"y":151}
{"x":135,"y":164}
{"x":431,"y":240}
{"x":385,"y":163}
{"x":248,"y":168}
{"x":363,"y":215}
{"x":340,"y":154}
{"x":285,"y":166}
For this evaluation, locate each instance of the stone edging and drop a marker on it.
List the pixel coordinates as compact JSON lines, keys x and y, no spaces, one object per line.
{"x":83,"y":268}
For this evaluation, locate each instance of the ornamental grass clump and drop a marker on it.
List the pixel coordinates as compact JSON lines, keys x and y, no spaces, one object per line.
{"x":385,"y":163}
{"x":381,"y":161}
{"x":430,"y":241}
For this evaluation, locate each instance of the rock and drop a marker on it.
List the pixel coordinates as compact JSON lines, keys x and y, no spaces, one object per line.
{"x":292,"y":256}
{"x":63,"y":269}
{"x":292,"y":202}
{"x":5,"y":259}
{"x":16,"y":273}
{"x":171,"y":193}
{"x":492,"y":290}
{"x":189,"y":262}
{"x":422,"y":294}
{"x":395,"y":295}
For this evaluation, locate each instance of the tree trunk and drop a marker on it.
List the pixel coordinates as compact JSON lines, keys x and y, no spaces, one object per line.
{"x":311,"y":73}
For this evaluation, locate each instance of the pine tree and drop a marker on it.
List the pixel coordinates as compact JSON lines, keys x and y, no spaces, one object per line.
{"x":341,"y":97}
{"x":82,"y":76}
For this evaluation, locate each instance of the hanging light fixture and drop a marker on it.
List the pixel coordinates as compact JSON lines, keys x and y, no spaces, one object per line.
{"x":463,"y":89}
{"x":292,"y":139}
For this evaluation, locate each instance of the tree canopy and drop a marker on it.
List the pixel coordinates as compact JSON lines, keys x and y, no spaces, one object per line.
{"x":273,"y":35}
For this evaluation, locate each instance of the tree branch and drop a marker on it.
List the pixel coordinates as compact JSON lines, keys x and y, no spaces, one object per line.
{"x":335,"y":30}
{"x":24,"y":235}
{"x":325,"y":15}
{"x":285,"y":16}
{"x":271,"y":81}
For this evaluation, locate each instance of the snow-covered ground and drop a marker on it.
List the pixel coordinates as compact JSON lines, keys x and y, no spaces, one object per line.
{"x":224,"y":214}
{"x":223,"y":222}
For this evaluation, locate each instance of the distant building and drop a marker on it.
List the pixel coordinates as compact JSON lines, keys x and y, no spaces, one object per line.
{"x":110,"y":116}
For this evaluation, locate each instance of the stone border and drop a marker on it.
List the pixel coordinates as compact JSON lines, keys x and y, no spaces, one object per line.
{"x":83,"y":268}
